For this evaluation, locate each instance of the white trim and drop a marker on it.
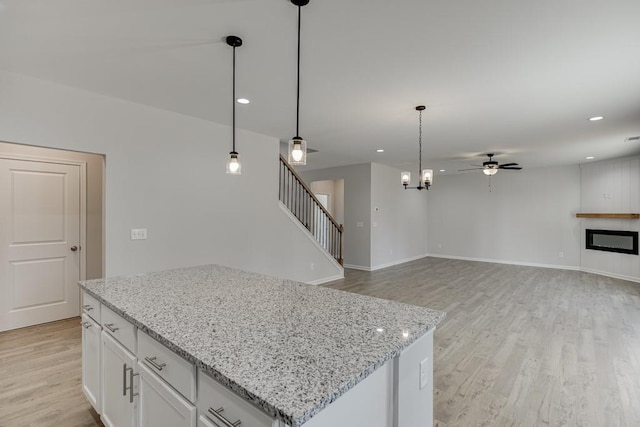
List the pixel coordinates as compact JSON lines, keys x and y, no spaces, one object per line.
{"x":325,"y":280}
{"x":322,"y":250}
{"x":500,"y":261}
{"x":357,"y":267}
{"x":399,"y":261}
{"x":612,"y":275}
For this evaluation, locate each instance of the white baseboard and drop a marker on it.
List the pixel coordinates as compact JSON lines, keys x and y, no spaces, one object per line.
{"x":534,"y":264}
{"x":385,"y":265}
{"x":501,"y":261}
{"x":612,"y":275}
{"x":325,"y":280}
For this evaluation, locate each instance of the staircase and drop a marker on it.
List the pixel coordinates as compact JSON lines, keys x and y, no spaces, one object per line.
{"x":304,"y":205}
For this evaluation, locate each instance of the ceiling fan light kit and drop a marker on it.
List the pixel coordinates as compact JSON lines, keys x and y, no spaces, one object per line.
{"x":491,"y":167}
{"x":297,"y":145}
{"x":426,"y":175}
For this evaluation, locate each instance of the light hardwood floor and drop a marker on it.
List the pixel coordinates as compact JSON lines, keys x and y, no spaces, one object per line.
{"x":520,"y":346}
{"x":41,"y":377}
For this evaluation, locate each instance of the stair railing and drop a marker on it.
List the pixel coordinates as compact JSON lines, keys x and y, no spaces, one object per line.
{"x":304,"y":205}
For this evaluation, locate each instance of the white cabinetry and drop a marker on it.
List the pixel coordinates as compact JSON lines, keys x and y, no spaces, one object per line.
{"x":91,"y":359}
{"x":217,"y":403}
{"x":160,"y":405}
{"x":119,"y":401}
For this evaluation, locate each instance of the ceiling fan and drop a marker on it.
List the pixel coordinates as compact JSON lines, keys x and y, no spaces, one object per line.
{"x":491,"y":167}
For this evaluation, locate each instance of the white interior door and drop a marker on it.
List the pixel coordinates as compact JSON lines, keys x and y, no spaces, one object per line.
{"x":39,"y":242}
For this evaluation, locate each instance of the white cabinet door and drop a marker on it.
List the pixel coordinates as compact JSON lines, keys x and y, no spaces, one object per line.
{"x":91,"y":363}
{"x":119,"y":402}
{"x":160,"y":405}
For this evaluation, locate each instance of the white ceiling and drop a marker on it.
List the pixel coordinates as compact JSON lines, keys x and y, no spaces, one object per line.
{"x":511,"y":77}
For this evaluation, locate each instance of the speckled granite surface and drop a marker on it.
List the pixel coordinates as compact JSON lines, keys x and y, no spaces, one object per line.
{"x":288,"y":347}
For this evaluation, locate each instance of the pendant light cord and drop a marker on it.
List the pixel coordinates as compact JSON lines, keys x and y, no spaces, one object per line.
{"x":420,"y":146}
{"x":298,"y":94}
{"x":233,"y":100}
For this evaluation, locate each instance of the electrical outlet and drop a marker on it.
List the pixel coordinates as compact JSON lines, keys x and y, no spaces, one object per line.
{"x":138,"y":234}
{"x":561,"y":254}
{"x":424,"y":373}
{"x":359,"y":224}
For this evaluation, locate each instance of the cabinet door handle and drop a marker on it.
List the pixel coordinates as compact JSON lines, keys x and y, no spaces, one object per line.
{"x":124,"y":382}
{"x":152,"y":362}
{"x":131,"y":393}
{"x":217,"y":413}
{"x":110,"y":327}
{"x":124,"y":379}
{"x":86,"y":325}
{"x":87,"y":307}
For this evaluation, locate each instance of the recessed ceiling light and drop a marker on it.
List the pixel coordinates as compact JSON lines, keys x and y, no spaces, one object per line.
{"x":380,"y":151}
{"x":442,"y":170}
{"x":243,"y":101}
{"x":595,"y":118}
{"x":590,"y":158}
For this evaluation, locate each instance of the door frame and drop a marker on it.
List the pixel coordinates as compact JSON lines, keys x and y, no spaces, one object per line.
{"x":83,"y":197}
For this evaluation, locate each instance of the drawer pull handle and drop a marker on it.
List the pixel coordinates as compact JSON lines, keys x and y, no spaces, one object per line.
{"x":86,"y":325}
{"x":87,"y":307}
{"x":152,"y":362}
{"x":110,"y":327}
{"x":217,"y":413}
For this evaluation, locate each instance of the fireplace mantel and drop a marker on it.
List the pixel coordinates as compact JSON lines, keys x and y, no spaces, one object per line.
{"x":609,"y":215}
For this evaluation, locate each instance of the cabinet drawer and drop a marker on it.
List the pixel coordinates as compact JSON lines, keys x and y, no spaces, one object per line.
{"x":119,"y":328}
{"x":91,"y":306}
{"x":179,"y":373}
{"x":212,"y":395}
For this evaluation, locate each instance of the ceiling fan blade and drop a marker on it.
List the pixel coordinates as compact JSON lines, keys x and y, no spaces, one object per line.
{"x":472,"y":169}
{"x":512,"y":168}
{"x":508,"y":164}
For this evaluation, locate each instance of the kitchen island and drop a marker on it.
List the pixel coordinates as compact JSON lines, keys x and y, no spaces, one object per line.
{"x":282,"y":352}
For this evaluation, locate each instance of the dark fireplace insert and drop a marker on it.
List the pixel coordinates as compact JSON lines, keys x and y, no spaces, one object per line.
{"x":624,"y":242}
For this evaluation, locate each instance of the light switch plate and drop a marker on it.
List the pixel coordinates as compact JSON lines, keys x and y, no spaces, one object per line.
{"x":424,"y":373}
{"x":138,"y":233}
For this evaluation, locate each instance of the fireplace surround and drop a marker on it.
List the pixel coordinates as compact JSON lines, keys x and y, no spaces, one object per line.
{"x":625,"y":242}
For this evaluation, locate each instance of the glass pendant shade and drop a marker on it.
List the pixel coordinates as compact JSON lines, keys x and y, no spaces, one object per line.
{"x":233,"y":165}
{"x":297,"y":151}
{"x":405,"y":177}
{"x":427,"y":176}
{"x":490,"y":171}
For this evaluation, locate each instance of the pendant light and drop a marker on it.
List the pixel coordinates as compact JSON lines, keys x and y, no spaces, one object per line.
{"x":426,"y":175}
{"x":297,"y":145}
{"x":233,"y":165}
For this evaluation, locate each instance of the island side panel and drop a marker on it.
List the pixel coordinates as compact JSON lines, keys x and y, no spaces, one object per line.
{"x":367,"y":404}
{"x":414,"y":384}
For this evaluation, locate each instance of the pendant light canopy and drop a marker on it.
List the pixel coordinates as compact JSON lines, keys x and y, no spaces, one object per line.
{"x":233,"y":165}
{"x":426,"y":175}
{"x":297,"y":145}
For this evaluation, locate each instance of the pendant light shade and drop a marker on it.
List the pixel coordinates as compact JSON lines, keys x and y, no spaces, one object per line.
{"x":233,"y":165}
{"x":297,"y":145}
{"x":426,"y":175}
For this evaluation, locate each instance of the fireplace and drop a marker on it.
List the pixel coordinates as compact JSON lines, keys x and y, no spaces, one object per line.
{"x":624,"y":242}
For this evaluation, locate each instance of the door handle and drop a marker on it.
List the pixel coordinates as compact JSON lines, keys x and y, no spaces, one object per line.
{"x":74,"y":248}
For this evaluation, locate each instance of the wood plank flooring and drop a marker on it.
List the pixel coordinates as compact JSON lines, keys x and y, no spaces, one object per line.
{"x":41,"y":377}
{"x":522,"y":346}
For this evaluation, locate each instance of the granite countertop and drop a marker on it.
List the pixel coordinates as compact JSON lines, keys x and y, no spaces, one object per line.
{"x":288,"y":347}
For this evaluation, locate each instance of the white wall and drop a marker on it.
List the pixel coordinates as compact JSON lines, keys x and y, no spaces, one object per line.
{"x":398,"y":219}
{"x":394,"y":233}
{"x":611,"y":187}
{"x":357,"y":205}
{"x":166,"y":172}
{"x":527,"y":218}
